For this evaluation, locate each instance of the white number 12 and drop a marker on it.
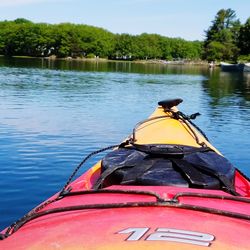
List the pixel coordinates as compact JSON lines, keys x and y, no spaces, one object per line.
{"x":169,"y":234}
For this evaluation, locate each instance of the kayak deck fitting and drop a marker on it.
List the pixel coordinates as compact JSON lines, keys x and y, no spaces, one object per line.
{"x":165,"y":186}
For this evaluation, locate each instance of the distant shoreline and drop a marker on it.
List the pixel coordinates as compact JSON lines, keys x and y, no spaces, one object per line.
{"x":148,"y":61}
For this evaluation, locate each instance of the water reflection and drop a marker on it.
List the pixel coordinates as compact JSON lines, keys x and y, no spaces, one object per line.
{"x":227,"y":84}
{"x":103,"y":66}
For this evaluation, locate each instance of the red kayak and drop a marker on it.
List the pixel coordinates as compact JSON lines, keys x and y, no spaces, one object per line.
{"x":164,"y":187}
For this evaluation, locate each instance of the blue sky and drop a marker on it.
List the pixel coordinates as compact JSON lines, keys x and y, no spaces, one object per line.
{"x":173,"y":18}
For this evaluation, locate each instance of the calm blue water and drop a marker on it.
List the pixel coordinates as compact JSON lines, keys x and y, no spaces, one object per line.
{"x":52,"y":114}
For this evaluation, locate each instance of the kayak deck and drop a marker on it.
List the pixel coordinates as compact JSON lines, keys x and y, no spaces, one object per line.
{"x":132,"y":217}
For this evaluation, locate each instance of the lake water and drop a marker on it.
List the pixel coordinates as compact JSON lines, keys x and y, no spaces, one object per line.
{"x":53,"y":113}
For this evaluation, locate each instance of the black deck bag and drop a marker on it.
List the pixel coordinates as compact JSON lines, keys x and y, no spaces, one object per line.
{"x":128,"y":166}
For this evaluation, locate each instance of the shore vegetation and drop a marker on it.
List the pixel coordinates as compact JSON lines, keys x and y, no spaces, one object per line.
{"x":226,"y":39}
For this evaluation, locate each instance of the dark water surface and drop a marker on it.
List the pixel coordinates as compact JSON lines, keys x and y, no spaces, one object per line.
{"x":53,"y":113}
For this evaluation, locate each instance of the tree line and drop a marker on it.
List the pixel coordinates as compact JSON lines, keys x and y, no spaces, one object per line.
{"x":226,"y":39}
{"x":23,"y":37}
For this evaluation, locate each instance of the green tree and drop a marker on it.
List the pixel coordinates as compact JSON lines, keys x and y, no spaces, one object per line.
{"x":222,"y":37}
{"x":244,"y":38}
{"x":148,"y":46}
{"x":23,"y":37}
{"x":22,"y":20}
{"x":166,"y":48}
{"x":124,"y":46}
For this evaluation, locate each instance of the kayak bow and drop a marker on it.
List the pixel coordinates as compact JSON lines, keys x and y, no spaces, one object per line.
{"x":164,"y":187}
